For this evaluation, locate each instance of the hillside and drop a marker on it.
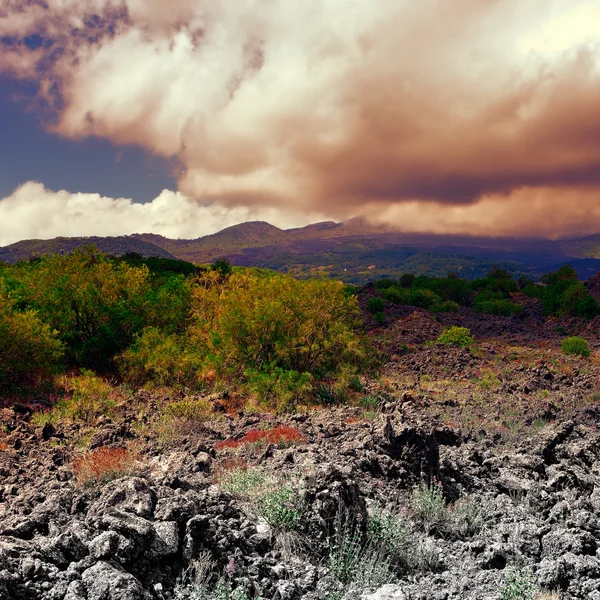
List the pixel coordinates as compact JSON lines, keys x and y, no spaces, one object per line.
{"x":116,"y":246}
{"x":353,"y":251}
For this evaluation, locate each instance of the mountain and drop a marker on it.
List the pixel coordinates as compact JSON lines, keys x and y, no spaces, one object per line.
{"x":254,"y":234}
{"x":354,"y":250}
{"x":116,"y":246}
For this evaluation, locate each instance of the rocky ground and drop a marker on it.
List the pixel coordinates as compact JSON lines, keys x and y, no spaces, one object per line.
{"x":458,"y":474}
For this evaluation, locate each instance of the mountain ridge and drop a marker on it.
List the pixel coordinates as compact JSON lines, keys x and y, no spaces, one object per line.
{"x":348,"y":250}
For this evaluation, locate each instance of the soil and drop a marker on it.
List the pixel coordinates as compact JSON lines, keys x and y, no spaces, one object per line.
{"x":508,"y":426}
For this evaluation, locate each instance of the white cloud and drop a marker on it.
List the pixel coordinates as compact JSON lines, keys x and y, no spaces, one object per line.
{"x":34,"y":212}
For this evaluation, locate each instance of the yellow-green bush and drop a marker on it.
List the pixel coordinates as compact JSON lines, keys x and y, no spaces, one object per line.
{"x":30,"y":351}
{"x":456,"y":336}
{"x":163,"y":360}
{"x":95,"y":303}
{"x":276,"y":333}
{"x":87,"y":398}
{"x":576,"y":346}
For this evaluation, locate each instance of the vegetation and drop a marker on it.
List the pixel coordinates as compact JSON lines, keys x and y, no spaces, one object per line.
{"x":576,"y":346}
{"x":350,"y":262}
{"x":456,"y":336}
{"x":103,"y":465}
{"x":196,"y":582}
{"x":563,"y":294}
{"x":276,"y":335}
{"x":280,"y":436}
{"x":166,"y":323}
{"x":30,"y":351}
{"x":519,"y":585}
{"x":375,"y":305}
{"x":277,"y":500}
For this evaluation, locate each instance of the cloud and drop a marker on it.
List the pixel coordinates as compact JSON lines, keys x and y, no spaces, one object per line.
{"x":336,"y":106}
{"x":538,"y":212}
{"x":35,"y":212}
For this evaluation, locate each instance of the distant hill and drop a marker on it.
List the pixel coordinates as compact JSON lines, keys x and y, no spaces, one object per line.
{"x":117,"y":246}
{"x":354,"y":251}
{"x":233,"y":239}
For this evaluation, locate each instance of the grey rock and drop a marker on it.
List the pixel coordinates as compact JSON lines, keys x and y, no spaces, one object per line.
{"x":105,"y":581}
{"x":132,"y":495}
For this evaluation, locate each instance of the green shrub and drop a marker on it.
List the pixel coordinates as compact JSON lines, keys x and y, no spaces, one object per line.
{"x":30,"y":352}
{"x":370,"y":402}
{"x":533,"y":291}
{"x":407,"y":280}
{"x":424,"y":298}
{"x":504,"y":308}
{"x":375,"y":305}
{"x":447,"y":306}
{"x":277,"y":500}
{"x":355,"y":384}
{"x":345,"y":554}
{"x":328,"y":394}
{"x":279,"y":388}
{"x":88,"y":397}
{"x":243,"y":483}
{"x":397,"y":295}
{"x":384,"y":284}
{"x":498,"y":281}
{"x":575,"y":346}
{"x":223,"y":267}
{"x":96,"y":304}
{"x":380,"y":318}
{"x":466,"y":518}
{"x":456,"y":336}
{"x":190,"y":409}
{"x":428,"y":507}
{"x":563,"y":294}
{"x":391,"y":532}
{"x":360,"y":562}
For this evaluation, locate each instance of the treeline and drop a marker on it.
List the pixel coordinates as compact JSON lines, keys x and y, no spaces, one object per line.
{"x":160,"y":322}
{"x":561,"y":293}
{"x":350,"y":263}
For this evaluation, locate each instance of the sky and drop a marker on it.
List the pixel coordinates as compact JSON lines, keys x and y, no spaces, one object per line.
{"x":184,"y":117}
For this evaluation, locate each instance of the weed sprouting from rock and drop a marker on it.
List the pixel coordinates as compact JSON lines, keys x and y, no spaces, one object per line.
{"x":345,"y":554}
{"x":281,"y":507}
{"x":428,"y":506}
{"x":278,"y":501}
{"x":197,"y":582}
{"x":519,"y":585}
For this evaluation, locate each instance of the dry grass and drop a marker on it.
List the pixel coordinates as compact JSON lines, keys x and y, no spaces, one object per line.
{"x":256,"y":439}
{"x":548,"y":596}
{"x":182,"y":418}
{"x":103,"y":465}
